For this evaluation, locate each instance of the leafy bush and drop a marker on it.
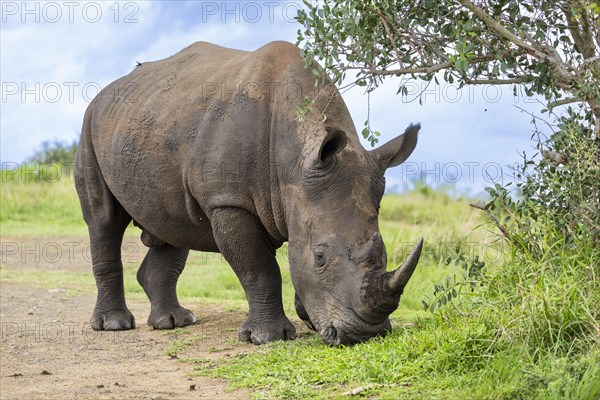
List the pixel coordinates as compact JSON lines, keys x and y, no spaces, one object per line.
{"x":471,"y":278}
{"x":559,"y":193}
{"x":540,"y":311}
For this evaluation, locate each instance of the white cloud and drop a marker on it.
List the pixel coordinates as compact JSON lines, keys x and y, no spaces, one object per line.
{"x":74,"y":54}
{"x":50,"y":64}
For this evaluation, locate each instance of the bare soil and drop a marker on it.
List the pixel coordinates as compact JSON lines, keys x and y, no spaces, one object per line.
{"x":49,"y":351}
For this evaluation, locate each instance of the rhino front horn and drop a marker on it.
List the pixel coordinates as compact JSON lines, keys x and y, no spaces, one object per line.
{"x":382,"y":290}
{"x":399,"y":278}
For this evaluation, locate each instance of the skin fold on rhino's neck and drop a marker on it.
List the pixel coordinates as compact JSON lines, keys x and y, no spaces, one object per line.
{"x":284,"y":164}
{"x":290,"y":143}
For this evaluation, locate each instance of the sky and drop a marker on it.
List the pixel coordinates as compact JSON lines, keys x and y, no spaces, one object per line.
{"x":56,"y":55}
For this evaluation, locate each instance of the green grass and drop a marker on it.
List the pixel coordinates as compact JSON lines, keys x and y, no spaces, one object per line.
{"x":539,"y":341}
{"x":177,"y":346}
{"x":40,"y":209}
{"x":532,"y":331}
{"x":430,"y":360}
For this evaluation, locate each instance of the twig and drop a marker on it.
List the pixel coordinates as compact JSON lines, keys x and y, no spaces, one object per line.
{"x":392,"y":40}
{"x":536,"y":117}
{"x":417,"y":70}
{"x":356,"y":391}
{"x":566,"y":100}
{"x":493,"y":81}
{"x":428,"y":69}
{"x":501,"y":227}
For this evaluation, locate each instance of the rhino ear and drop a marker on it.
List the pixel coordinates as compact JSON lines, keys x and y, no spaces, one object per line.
{"x":397,"y":150}
{"x":335,"y":140}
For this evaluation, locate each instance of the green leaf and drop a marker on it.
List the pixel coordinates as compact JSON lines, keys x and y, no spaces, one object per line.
{"x":496,"y":70}
{"x":365,"y":132}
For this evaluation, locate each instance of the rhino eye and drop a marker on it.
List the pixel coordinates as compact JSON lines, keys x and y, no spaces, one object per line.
{"x":319,"y":259}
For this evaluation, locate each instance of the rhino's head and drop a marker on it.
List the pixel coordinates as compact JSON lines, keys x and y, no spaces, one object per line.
{"x":337,"y":255}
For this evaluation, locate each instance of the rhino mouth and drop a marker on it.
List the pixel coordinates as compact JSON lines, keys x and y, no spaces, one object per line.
{"x":350,"y":329}
{"x":333,"y":336}
{"x":330,"y":336}
{"x":343,"y":333}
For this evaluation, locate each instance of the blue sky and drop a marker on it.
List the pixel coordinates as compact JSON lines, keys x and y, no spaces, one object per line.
{"x":56,"y":55}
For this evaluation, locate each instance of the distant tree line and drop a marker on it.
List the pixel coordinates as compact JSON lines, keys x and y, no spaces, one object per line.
{"x":51,"y":152}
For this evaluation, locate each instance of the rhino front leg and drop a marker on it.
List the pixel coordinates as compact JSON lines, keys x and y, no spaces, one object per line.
{"x":245,"y":244}
{"x":158,"y":275}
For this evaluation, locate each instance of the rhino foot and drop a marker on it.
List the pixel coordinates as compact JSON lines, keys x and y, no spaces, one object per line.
{"x":169,"y":319}
{"x":263,"y":332}
{"x":115,"y":320}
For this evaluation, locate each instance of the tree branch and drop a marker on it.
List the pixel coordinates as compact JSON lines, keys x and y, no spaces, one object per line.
{"x":493,"y":81}
{"x":583,"y":38}
{"x":416,"y":70}
{"x":588,"y":37}
{"x":590,"y":61}
{"x":429,"y":69}
{"x":392,"y":40}
{"x":562,"y":102}
{"x":539,"y":51}
{"x":500,"y":226}
{"x":501,"y":30}
{"x":573,"y":26}
{"x":597,"y":28}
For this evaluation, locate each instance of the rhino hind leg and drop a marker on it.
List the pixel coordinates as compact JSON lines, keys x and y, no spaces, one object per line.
{"x":158,"y":276}
{"x":246,"y":246}
{"x":111,"y":312}
{"x":106,"y":220}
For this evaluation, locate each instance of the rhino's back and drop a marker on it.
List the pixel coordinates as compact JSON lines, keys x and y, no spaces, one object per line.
{"x":157,"y":100}
{"x":187,"y":133}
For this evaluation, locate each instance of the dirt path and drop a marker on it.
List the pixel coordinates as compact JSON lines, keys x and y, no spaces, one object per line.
{"x":48,"y":350}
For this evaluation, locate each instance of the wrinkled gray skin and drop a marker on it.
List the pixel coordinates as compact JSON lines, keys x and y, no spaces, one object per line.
{"x":204,"y":151}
